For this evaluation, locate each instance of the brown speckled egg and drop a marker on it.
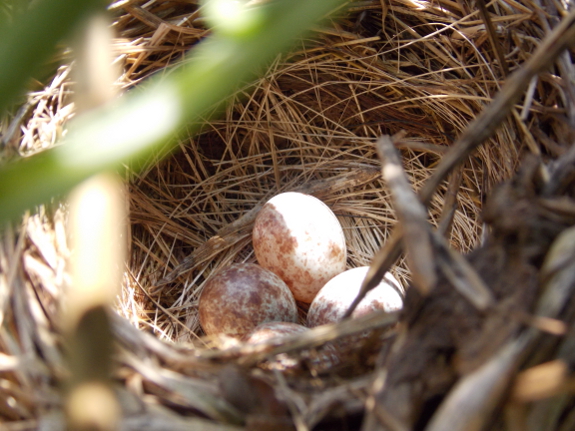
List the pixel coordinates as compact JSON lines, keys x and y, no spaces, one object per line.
{"x":321,"y":358}
{"x":336,"y":296}
{"x":240,"y":297}
{"x":267,"y":331}
{"x":300,"y":239}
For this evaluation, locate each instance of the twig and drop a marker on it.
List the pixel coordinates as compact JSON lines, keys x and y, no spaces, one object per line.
{"x":561,"y":38}
{"x":462,"y":275}
{"x":493,"y":36}
{"x":412,"y":215}
{"x":480,"y":129}
{"x":427,"y":249}
{"x":380,"y":264}
{"x":475,"y":396}
{"x":251,"y":354}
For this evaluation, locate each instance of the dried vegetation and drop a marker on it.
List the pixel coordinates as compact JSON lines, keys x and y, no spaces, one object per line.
{"x":422,"y":68}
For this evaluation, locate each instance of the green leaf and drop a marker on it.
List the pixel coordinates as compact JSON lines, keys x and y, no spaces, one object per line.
{"x":144,"y":120}
{"x":29,"y":41}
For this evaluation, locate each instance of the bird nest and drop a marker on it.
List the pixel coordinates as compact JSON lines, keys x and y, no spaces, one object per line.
{"x":419,"y":71}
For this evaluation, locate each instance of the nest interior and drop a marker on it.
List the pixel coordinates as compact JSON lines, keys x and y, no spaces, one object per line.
{"x":309,"y":124}
{"x":422,"y":68}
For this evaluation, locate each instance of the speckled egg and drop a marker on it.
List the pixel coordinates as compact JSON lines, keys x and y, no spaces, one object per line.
{"x":300,"y":239}
{"x":240,"y":297}
{"x":269,"y":330}
{"x":336,"y":296}
{"x":321,"y":359}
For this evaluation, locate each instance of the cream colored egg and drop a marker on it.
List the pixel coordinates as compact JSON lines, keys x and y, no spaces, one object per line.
{"x":240,"y":297}
{"x":336,"y":297}
{"x":300,"y":239}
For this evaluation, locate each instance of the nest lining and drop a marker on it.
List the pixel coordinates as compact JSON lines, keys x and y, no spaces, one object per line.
{"x":311,"y":119}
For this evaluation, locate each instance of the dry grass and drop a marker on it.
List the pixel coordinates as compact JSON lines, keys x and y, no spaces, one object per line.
{"x":312,"y":119}
{"x":423,"y":67}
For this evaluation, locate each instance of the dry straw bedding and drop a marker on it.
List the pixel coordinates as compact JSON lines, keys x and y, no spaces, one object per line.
{"x":312,"y":119}
{"x":423,"y":67}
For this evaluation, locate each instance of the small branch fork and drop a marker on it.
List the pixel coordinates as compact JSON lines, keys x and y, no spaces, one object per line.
{"x":427,"y":250}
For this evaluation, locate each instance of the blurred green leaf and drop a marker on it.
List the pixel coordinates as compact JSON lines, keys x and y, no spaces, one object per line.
{"x":144,"y":120}
{"x":31,"y":39}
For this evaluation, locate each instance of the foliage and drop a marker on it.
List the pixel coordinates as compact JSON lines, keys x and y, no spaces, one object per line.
{"x":146,"y":119}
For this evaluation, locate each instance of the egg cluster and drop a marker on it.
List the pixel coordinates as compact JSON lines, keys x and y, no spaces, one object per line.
{"x":300,"y":248}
